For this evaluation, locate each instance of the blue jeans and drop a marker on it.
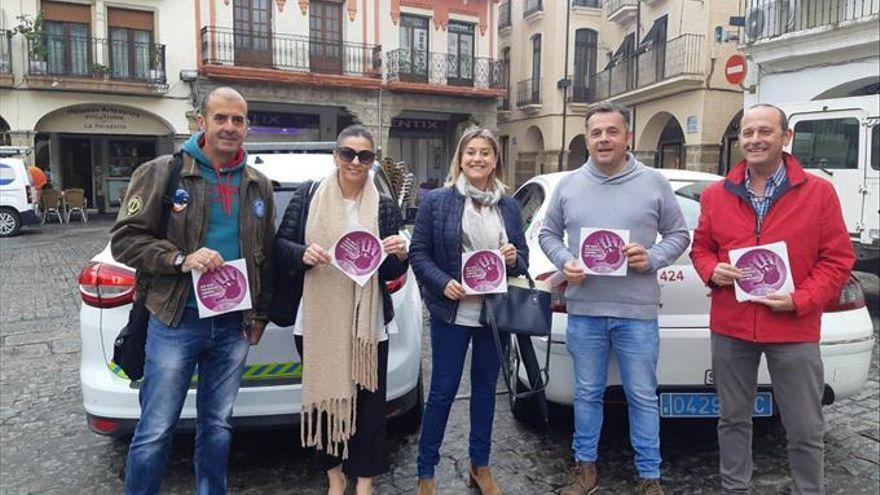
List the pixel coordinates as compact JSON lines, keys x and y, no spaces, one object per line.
{"x":636,"y":344}
{"x":449,"y":345}
{"x":219,"y":349}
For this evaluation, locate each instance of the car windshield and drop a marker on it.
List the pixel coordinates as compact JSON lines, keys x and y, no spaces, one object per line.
{"x":688,"y":197}
{"x":283,"y":193}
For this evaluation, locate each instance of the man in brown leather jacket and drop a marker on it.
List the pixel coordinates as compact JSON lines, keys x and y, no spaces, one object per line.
{"x":222,"y":210}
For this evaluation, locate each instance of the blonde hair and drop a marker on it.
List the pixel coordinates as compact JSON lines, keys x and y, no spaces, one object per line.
{"x":468,"y":136}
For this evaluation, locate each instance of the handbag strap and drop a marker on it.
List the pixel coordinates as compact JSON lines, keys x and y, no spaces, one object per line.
{"x":168,"y":195}
{"x":505,"y":365}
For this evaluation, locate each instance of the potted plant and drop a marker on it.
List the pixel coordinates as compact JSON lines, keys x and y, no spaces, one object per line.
{"x":32,"y":28}
{"x":100,"y":71}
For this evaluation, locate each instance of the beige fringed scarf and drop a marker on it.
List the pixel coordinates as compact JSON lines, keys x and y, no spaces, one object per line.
{"x":339,"y":326}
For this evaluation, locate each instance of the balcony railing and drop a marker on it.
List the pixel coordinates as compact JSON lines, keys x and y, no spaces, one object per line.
{"x":289,"y":52}
{"x":528,"y":92}
{"x":5,"y":52}
{"x":407,"y":65}
{"x":581,"y":94}
{"x":79,"y":56}
{"x":532,"y":6}
{"x":504,"y":15}
{"x":504,"y":103}
{"x":596,"y":4}
{"x":771,"y":18}
{"x":679,"y":56}
{"x":612,"y":6}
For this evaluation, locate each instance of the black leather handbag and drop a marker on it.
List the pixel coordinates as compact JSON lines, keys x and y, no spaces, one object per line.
{"x":130,"y":346}
{"x":524,"y":312}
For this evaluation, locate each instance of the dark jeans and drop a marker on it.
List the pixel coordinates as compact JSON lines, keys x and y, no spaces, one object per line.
{"x":449,"y":345}
{"x":219,"y":348}
{"x":368,"y":448}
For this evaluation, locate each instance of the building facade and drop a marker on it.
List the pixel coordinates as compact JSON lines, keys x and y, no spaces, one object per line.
{"x":93,"y":89}
{"x":660,"y":58}
{"x":96,"y":88}
{"x":415,"y":72}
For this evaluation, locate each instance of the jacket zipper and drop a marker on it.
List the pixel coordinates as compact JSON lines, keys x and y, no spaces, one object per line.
{"x":460,"y":214}
{"x":757,"y":243}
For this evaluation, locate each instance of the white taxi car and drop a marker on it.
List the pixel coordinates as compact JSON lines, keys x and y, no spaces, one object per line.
{"x":271,"y":386}
{"x":684,"y":368}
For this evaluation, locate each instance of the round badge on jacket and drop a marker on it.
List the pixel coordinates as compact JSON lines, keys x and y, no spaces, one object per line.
{"x":181,"y":200}
{"x":259,"y":208}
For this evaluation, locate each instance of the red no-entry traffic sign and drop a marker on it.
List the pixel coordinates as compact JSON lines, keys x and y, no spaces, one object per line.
{"x":735,"y":69}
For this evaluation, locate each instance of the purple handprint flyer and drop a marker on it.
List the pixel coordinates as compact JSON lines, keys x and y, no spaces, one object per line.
{"x":357,"y":254}
{"x":765,"y":270}
{"x":483,"y":272}
{"x":601,"y":251}
{"x":224,"y":290}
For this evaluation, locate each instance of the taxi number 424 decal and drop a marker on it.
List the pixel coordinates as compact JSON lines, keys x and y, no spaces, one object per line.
{"x":671,"y":276}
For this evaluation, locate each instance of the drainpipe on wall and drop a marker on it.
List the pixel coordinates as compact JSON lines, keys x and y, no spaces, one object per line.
{"x":565,"y":83}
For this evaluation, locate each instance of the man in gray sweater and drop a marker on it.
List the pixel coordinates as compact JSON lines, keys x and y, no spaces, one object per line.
{"x":614,"y":191}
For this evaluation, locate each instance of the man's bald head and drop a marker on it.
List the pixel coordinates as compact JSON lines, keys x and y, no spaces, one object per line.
{"x":222,"y":93}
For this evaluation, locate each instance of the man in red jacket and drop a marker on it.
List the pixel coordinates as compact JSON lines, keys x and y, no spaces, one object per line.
{"x":768,"y":198}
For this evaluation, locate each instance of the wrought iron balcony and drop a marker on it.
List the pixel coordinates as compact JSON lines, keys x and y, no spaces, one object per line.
{"x":596,"y":4}
{"x":289,"y":52}
{"x":5,"y":52}
{"x":407,"y":65}
{"x":96,"y":58}
{"x":532,"y":7}
{"x":766,"y":19}
{"x":620,"y":11}
{"x":677,"y":57}
{"x":504,"y":15}
{"x":581,"y":93}
{"x":528,"y":92}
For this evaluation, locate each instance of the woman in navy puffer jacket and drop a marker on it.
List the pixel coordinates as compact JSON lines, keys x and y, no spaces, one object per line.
{"x":471,"y":213}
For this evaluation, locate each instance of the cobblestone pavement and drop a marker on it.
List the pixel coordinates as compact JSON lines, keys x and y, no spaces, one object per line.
{"x":45,"y":447}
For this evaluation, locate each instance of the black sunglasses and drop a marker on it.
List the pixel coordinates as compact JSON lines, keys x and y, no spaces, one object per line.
{"x":365,"y":157}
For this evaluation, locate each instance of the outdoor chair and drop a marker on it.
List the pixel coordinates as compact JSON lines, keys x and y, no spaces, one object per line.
{"x":76,"y":203}
{"x":50,"y":204}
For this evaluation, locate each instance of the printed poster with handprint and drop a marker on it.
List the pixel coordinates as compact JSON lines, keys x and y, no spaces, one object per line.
{"x":357,"y":254}
{"x":601,"y":251}
{"x":765,"y":270}
{"x":223,"y":290}
{"x":483,"y":272}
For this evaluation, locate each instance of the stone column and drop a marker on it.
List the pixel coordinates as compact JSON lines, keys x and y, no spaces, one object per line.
{"x":24,"y":138}
{"x":703,"y":157}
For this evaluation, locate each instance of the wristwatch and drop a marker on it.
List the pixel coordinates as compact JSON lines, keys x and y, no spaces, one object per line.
{"x":177,"y":263}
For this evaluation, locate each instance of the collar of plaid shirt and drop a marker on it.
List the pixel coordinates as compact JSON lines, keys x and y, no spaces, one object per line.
{"x":761,"y":203}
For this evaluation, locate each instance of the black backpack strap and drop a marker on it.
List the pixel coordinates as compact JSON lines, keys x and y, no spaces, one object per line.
{"x":170,"y":189}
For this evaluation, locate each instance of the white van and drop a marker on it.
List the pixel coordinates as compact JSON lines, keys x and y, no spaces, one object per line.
{"x":18,"y":199}
{"x":839,"y":139}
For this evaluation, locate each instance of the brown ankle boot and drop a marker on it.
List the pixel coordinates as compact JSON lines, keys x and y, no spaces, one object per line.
{"x":650,"y":487}
{"x":481,"y":477}
{"x":426,"y":486}
{"x":585,"y":480}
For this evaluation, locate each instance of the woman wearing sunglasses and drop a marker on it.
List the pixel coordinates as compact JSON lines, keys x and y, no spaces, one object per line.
{"x":471,"y":213}
{"x":340,"y":328}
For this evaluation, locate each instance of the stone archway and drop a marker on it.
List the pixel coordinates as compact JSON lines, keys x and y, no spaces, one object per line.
{"x":730,"y":153}
{"x":577,"y":152}
{"x":5,"y":138}
{"x":530,"y":160}
{"x":661,"y":143}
